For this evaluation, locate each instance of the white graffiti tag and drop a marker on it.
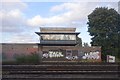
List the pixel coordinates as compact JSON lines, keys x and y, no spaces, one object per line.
{"x":72,"y":57}
{"x":53,"y":54}
{"x":91,"y":55}
{"x":45,"y":55}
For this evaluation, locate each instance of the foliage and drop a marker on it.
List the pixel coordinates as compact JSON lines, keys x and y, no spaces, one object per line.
{"x":79,"y":41}
{"x":31,"y":58}
{"x":85,"y":44}
{"x":104,"y":26}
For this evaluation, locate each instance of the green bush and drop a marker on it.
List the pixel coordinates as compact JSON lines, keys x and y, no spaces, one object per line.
{"x":31,"y":58}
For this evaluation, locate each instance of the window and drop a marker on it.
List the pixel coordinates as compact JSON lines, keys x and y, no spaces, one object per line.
{"x":58,"y":37}
{"x":68,"y":53}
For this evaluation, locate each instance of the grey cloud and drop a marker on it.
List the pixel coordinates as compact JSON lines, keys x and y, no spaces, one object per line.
{"x":11,"y":17}
{"x":11,"y":29}
{"x":12,"y":21}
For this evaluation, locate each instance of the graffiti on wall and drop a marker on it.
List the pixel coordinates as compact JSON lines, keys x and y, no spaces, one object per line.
{"x":53,"y":54}
{"x":91,"y":55}
{"x":72,"y":57}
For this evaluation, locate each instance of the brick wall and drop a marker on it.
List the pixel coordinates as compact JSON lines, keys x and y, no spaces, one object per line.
{"x":10,"y":51}
{"x":58,"y":53}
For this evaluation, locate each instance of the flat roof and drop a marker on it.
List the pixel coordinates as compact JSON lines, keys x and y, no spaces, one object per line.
{"x":57,"y":29}
{"x":76,"y":33}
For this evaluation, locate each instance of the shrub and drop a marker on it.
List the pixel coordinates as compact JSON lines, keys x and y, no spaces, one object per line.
{"x":26,"y":59}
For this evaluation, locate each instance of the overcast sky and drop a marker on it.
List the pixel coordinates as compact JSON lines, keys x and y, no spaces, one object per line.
{"x":21,"y":19}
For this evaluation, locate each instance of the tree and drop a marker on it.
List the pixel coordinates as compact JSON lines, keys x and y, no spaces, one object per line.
{"x":104,"y":27}
{"x":79,"y":41}
{"x":85,"y":44}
